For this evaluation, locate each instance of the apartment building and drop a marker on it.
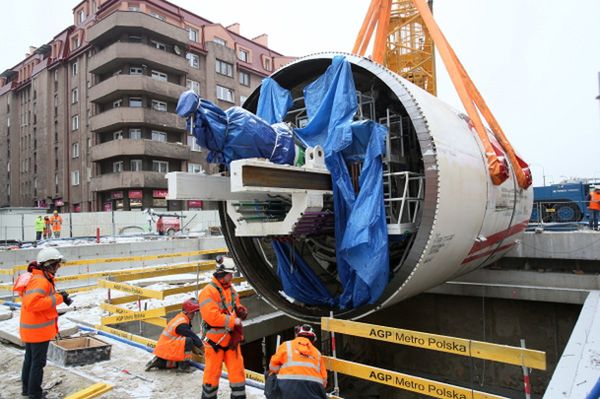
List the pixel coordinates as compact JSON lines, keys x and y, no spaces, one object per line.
{"x":87,"y":120}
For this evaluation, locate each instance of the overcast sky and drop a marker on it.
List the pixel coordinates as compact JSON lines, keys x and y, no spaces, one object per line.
{"x":536,"y":62}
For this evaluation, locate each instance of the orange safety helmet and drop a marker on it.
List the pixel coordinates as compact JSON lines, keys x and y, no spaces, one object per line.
{"x":190,"y":305}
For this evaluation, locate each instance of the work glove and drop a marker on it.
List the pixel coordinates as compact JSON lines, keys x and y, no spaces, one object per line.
{"x":66,"y":299}
{"x":241,"y":312}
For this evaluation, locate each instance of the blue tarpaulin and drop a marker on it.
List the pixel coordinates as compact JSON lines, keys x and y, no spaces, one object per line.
{"x":235,"y":133}
{"x":360,"y":227}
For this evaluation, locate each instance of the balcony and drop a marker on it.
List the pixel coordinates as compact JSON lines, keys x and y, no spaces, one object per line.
{"x":117,"y":148}
{"x":123,"y":180}
{"x":135,"y":22}
{"x":119,"y":53}
{"x":116,"y":86}
{"x":126,"y":116}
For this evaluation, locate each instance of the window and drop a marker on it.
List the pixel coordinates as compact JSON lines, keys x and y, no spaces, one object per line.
{"x":75,"y":42}
{"x":56,"y":75}
{"x":136,"y":70}
{"x":134,"y":8}
{"x":194,"y":168}
{"x":219,"y":41}
{"x":243,"y":55}
{"x":89,"y":173}
{"x":244,"y":78}
{"x":159,"y":76}
{"x":118,"y":135}
{"x":191,"y":142}
{"x":160,"y":166}
{"x":159,"y":105}
{"x":135,"y":102}
{"x":193,"y":34}
{"x":159,"y":136}
{"x":118,"y":103}
{"x":243,"y":99}
{"x":135,"y":134}
{"x":136,"y":165}
{"x":267,"y":64}
{"x":224,"y":93}
{"x":117,"y":166}
{"x":193,"y":60}
{"x":89,"y":142}
{"x":74,"y":96}
{"x":134,"y":39}
{"x":75,"y":150}
{"x":159,"y":45}
{"x":75,"y":122}
{"x":193,"y":85}
{"x":81,"y":16}
{"x":74,"y":69}
{"x":75,"y":178}
{"x":224,"y":68}
{"x":158,"y":16}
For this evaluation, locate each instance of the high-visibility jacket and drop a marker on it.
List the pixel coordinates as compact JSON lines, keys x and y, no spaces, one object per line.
{"x":39,"y":225}
{"x":594,"y":201}
{"x":298,"y":360}
{"x":217,"y":307}
{"x":39,"y":318}
{"x":170,"y":345}
{"x":56,"y":222}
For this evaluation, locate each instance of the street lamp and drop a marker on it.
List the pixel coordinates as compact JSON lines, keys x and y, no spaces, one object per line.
{"x":543,"y":171}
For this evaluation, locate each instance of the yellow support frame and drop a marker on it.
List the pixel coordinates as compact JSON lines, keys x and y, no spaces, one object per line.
{"x":133,"y":316}
{"x":157,"y":321}
{"x":441,"y":343}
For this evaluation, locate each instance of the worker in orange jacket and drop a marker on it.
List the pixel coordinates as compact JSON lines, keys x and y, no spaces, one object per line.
{"x":222,"y":314}
{"x":56,"y":222}
{"x":177,"y":341}
{"x":594,"y":207}
{"x":39,"y":318}
{"x":299,"y":367}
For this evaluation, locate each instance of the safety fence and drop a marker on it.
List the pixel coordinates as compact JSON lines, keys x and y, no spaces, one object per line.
{"x":525,"y":358}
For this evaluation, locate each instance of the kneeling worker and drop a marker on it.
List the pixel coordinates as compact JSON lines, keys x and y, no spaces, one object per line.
{"x":177,"y":342}
{"x":300,"y":369}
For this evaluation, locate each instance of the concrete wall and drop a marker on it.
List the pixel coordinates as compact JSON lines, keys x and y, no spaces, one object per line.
{"x":581,"y":245}
{"x":21,"y":227}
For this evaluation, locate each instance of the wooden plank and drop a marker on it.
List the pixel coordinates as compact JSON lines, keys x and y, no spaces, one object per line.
{"x":157,"y":321}
{"x":92,"y":391}
{"x":405,"y":381}
{"x":145,"y":292}
{"x":132,"y":337}
{"x":458,"y":346}
{"x":133,"y":316}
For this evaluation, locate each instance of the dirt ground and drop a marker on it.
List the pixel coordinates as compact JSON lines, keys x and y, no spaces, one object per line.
{"x":125,"y":371}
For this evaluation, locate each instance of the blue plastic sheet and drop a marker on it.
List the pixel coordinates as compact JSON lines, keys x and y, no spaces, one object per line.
{"x":274,"y":101}
{"x":235,"y":133}
{"x":362,"y":253}
{"x":299,"y":281}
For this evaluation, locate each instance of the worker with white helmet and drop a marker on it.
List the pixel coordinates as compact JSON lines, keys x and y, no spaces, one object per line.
{"x":39,"y":318}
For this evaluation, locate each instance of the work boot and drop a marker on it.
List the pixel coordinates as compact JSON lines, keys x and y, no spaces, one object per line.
{"x":184,"y":367}
{"x":154,"y":363}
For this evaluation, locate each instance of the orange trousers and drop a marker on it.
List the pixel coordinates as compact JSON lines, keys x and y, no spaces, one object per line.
{"x":212,"y":371}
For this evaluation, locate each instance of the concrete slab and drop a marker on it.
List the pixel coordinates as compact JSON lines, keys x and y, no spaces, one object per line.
{"x":582,"y":245}
{"x":579,"y":366}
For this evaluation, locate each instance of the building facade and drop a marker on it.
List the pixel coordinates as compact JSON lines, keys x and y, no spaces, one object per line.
{"x":87,"y":121}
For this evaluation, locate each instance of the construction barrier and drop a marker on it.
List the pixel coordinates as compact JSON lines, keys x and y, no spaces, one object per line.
{"x":526,"y":358}
{"x":404,"y":381}
{"x":465,"y":347}
{"x":92,"y":391}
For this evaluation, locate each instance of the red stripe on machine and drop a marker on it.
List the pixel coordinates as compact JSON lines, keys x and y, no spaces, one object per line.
{"x":486,"y":253}
{"x":499,"y":236}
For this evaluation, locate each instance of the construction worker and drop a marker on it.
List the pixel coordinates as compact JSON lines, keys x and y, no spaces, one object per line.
{"x":177,"y":341}
{"x":47,"y":228}
{"x":39,"y":227}
{"x":222,"y":316}
{"x":56,"y":222}
{"x":299,"y":367}
{"x":594,"y":207}
{"x":39,"y":318}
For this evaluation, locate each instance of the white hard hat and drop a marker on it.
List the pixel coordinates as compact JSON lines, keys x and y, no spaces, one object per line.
{"x":48,"y":254}
{"x":225,"y":267}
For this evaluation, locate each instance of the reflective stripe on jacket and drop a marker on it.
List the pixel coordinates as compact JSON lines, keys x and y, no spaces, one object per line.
{"x":39,"y":225}
{"x":39,"y":318}
{"x":594,"y":201}
{"x":299,"y":360}
{"x":170,"y":345}
{"x":56,"y":222}
{"x":217,"y":308}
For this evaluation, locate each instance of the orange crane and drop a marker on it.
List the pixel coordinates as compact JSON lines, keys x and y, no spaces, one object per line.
{"x":404,"y":41}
